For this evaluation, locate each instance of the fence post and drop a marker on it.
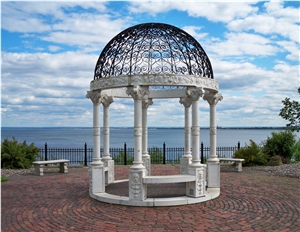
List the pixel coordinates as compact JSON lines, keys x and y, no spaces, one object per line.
{"x":164,"y":153}
{"x":202,"y":159}
{"x":239,"y":145}
{"x":46,"y":155}
{"x":125,"y":154}
{"x":85,"y":154}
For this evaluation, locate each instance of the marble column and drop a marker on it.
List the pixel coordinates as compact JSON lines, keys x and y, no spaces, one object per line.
{"x":137,"y":189}
{"x":106,"y":158}
{"x":195,"y":168}
{"x":187,"y":157}
{"x":195,"y":95}
{"x":97,"y":181}
{"x":213,"y":164}
{"x":145,"y":156}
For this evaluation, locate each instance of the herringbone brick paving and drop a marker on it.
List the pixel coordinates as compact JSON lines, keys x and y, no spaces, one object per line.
{"x":249,"y":201}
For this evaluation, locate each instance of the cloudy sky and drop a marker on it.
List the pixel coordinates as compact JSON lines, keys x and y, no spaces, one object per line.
{"x":49,"y":51}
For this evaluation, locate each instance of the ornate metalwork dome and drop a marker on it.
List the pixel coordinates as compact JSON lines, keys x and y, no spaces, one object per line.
{"x":153,"y":48}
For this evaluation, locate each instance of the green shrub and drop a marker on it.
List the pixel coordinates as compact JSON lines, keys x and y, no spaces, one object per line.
{"x":18,"y":155}
{"x":252,"y":154}
{"x":156,"y":155}
{"x":275,"y":161}
{"x":119,"y":159}
{"x":280,"y":143}
{"x":3,"y":179}
{"x":296,"y":152}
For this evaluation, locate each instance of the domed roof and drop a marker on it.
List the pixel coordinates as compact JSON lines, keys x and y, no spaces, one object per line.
{"x":153,"y":48}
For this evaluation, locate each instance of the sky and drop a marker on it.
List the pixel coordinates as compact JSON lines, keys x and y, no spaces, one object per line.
{"x":49,"y":51}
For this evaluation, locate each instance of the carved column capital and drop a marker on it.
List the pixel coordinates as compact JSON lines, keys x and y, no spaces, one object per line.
{"x":95,"y":96}
{"x":137,"y":92}
{"x":146,"y":103}
{"x":186,"y":101}
{"x":212,"y":98}
{"x":106,"y":100}
{"x":195,"y":93}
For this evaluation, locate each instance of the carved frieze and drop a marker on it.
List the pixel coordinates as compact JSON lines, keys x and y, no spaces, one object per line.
{"x":154,"y":80}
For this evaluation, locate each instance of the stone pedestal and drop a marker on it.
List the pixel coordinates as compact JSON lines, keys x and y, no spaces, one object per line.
{"x":147,"y":163}
{"x":213,"y":173}
{"x":109,"y":171}
{"x":97,"y":178}
{"x":197,"y":188}
{"x":137,"y":189}
{"x":184,"y":164}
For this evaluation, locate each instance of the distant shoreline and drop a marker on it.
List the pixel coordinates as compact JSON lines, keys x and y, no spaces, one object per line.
{"x":219,"y":128}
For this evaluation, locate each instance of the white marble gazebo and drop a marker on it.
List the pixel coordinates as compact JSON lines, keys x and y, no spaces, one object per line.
{"x":147,"y":62}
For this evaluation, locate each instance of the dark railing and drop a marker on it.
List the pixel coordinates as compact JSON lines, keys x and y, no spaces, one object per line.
{"x":125,"y":156}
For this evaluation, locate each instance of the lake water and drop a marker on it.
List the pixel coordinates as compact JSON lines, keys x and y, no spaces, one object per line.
{"x":75,"y":137}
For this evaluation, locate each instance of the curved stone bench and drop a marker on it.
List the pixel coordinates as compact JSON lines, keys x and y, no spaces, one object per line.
{"x":168,"y":179}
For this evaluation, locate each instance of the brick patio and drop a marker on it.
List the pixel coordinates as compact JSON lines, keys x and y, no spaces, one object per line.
{"x":249,"y":201}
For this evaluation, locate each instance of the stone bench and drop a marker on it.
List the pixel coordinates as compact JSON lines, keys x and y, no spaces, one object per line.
{"x":195,"y":184}
{"x":238,"y":162}
{"x":39,"y":170}
{"x":168,"y":179}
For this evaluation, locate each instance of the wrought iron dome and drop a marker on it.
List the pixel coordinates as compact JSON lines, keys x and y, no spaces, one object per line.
{"x":153,"y":48}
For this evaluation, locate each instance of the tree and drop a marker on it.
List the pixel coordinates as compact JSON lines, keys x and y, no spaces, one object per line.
{"x":291,"y":112}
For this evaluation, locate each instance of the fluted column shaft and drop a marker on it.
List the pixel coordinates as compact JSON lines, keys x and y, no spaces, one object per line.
{"x":137,"y":94}
{"x":212,"y":99}
{"x":195,"y":95}
{"x":95,"y":97}
{"x":106,"y":101}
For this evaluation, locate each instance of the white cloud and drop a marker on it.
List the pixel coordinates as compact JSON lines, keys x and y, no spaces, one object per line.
{"x":243,"y":44}
{"x":35,"y":16}
{"x":193,"y":31}
{"x":215,"y":12}
{"x":291,"y":47}
{"x":271,"y":23}
{"x":53,"y":48}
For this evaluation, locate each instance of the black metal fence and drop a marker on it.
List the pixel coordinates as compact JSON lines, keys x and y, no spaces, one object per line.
{"x":125,"y":156}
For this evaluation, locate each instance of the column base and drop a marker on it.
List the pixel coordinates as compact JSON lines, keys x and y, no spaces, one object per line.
{"x":97,"y":162}
{"x":213,"y":173}
{"x":197,"y":188}
{"x":137,"y":189}
{"x":109,"y":171}
{"x":97,"y":179}
{"x":147,"y":164}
